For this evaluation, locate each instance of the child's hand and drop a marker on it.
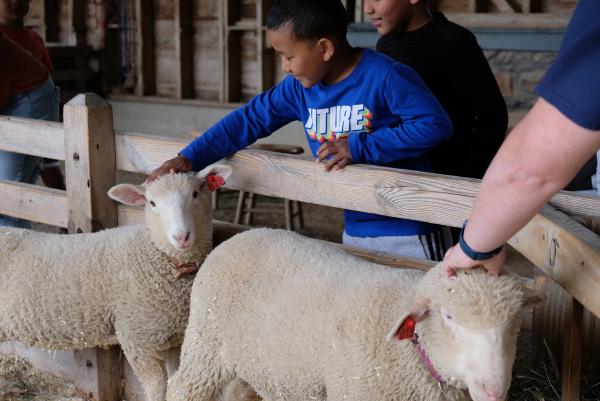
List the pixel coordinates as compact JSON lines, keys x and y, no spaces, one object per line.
{"x":179,"y":164}
{"x":339,"y":152}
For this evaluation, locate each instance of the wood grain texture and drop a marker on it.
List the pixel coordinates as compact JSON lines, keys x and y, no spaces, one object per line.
{"x":34,"y":137}
{"x":34,"y":203}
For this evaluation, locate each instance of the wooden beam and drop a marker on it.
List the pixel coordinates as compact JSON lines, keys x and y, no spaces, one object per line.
{"x":511,"y":21}
{"x":51,"y":13}
{"x":503,"y":6}
{"x":78,"y":21}
{"x":184,"y":47}
{"x":137,"y":152}
{"x":145,"y":60}
{"x":572,"y":353}
{"x":34,"y":137}
{"x":90,"y":166}
{"x":90,"y":170}
{"x":33,"y":202}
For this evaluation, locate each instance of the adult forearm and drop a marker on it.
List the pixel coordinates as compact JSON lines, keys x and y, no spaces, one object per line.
{"x":537,"y":160}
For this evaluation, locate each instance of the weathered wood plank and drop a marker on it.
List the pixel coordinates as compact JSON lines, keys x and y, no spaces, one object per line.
{"x":35,"y":203}
{"x":136,"y":152}
{"x":503,"y":6}
{"x":90,"y":171}
{"x":511,"y":21}
{"x":572,"y":353}
{"x":146,"y":61}
{"x":184,"y":47}
{"x":90,"y":167}
{"x":34,"y":137}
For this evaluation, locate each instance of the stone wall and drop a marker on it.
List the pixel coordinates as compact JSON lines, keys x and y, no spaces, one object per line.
{"x":518,"y":73}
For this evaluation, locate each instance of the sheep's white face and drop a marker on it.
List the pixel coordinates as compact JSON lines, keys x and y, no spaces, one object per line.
{"x":177,"y":210}
{"x":469,"y":327}
{"x":175,"y":204}
{"x":481,"y":358}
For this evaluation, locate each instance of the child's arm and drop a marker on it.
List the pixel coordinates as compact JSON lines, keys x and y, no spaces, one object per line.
{"x":424,"y":123}
{"x":264,"y":114}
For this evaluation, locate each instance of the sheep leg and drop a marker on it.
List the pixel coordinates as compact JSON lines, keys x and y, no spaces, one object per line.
{"x":149,"y":367}
{"x":200,"y":376}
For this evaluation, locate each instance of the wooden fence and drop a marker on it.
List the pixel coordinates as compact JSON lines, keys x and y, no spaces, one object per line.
{"x":565,"y":251}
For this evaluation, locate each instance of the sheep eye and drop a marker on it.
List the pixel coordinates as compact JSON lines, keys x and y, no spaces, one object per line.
{"x":152,"y":203}
{"x":195,"y":194}
{"x":447,"y":316}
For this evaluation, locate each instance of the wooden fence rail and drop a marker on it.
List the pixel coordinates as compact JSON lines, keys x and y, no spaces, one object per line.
{"x":565,"y":250}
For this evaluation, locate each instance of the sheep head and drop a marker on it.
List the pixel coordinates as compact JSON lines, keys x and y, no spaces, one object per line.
{"x":177,"y":206}
{"x":468,"y":325}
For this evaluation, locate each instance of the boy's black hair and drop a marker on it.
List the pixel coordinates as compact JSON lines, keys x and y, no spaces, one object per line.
{"x":310,"y":19}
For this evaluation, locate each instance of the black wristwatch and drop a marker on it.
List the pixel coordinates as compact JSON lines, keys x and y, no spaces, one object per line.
{"x":473,"y":254}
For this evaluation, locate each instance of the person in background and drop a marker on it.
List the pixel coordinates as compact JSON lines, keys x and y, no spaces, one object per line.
{"x":543,"y":152}
{"x":450,"y":61}
{"x":26,"y":90}
{"x":358,"y":106}
{"x":12,"y":15}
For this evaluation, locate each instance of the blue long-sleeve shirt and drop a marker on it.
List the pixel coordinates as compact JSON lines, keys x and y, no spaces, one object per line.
{"x":383,"y":107}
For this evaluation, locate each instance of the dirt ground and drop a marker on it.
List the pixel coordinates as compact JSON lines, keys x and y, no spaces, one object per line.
{"x":531,"y":380}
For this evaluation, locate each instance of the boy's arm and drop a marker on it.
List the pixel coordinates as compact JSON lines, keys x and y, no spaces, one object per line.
{"x":264,"y":114}
{"x":423,"y":125}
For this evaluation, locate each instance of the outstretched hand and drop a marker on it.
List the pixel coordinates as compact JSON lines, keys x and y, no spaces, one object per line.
{"x":455,"y":259}
{"x":179,"y":164}
{"x":339,"y":150}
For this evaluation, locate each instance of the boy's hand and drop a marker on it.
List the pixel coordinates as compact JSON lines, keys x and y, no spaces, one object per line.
{"x":179,"y":164}
{"x":339,"y":150}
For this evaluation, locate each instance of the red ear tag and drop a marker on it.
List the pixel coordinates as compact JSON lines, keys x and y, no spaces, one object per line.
{"x":214,"y":182}
{"x":406,"y":331}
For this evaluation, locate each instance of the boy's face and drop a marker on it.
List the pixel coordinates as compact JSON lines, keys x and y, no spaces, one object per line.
{"x":13,"y":10}
{"x":389,"y":15}
{"x":305,"y":60}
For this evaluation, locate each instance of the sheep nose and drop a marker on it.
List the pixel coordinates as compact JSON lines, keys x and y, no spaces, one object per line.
{"x":494,"y":394}
{"x":183,"y":238}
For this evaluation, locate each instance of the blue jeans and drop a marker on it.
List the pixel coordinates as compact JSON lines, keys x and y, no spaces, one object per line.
{"x":40,"y":103}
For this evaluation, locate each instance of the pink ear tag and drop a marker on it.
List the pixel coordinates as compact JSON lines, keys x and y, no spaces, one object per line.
{"x":214,"y":182}
{"x":406,"y":331}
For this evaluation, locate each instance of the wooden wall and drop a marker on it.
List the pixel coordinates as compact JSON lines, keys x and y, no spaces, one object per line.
{"x":208,"y":65}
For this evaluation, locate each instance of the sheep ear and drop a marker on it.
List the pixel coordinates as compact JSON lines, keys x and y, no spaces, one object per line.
{"x":404,"y":329}
{"x":129,"y":194}
{"x":221,"y":170}
{"x":531,"y":296}
{"x":214,"y":176}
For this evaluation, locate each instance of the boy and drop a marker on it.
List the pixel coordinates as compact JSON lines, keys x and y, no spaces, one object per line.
{"x":26,"y":90}
{"x":351,"y":116}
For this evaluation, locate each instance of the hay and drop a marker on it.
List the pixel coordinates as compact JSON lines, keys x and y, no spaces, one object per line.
{"x":539,"y":380}
{"x":19,"y":381}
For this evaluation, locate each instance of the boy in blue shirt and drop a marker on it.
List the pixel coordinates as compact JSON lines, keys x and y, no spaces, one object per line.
{"x":358,"y":107}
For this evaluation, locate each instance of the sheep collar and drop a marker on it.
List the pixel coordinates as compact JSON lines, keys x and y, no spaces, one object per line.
{"x":183,"y":268}
{"x":442,"y":384}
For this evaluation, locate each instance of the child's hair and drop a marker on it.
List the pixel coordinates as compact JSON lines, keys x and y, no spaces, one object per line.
{"x":310,"y":19}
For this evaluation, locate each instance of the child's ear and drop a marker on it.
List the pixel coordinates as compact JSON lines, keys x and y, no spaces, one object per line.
{"x":327,"y":48}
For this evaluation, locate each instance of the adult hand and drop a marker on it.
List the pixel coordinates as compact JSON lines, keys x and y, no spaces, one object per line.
{"x":339,"y":150}
{"x":455,"y":259}
{"x":179,"y":164}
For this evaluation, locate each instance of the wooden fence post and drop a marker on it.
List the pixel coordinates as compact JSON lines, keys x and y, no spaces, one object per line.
{"x":90,"y":170}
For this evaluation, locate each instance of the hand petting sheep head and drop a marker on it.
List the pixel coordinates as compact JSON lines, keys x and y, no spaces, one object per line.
{"x":465,"y":329}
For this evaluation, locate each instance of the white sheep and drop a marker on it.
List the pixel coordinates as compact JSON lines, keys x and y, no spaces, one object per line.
{"x":121,"y":285}
{"x":301,"y":320}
